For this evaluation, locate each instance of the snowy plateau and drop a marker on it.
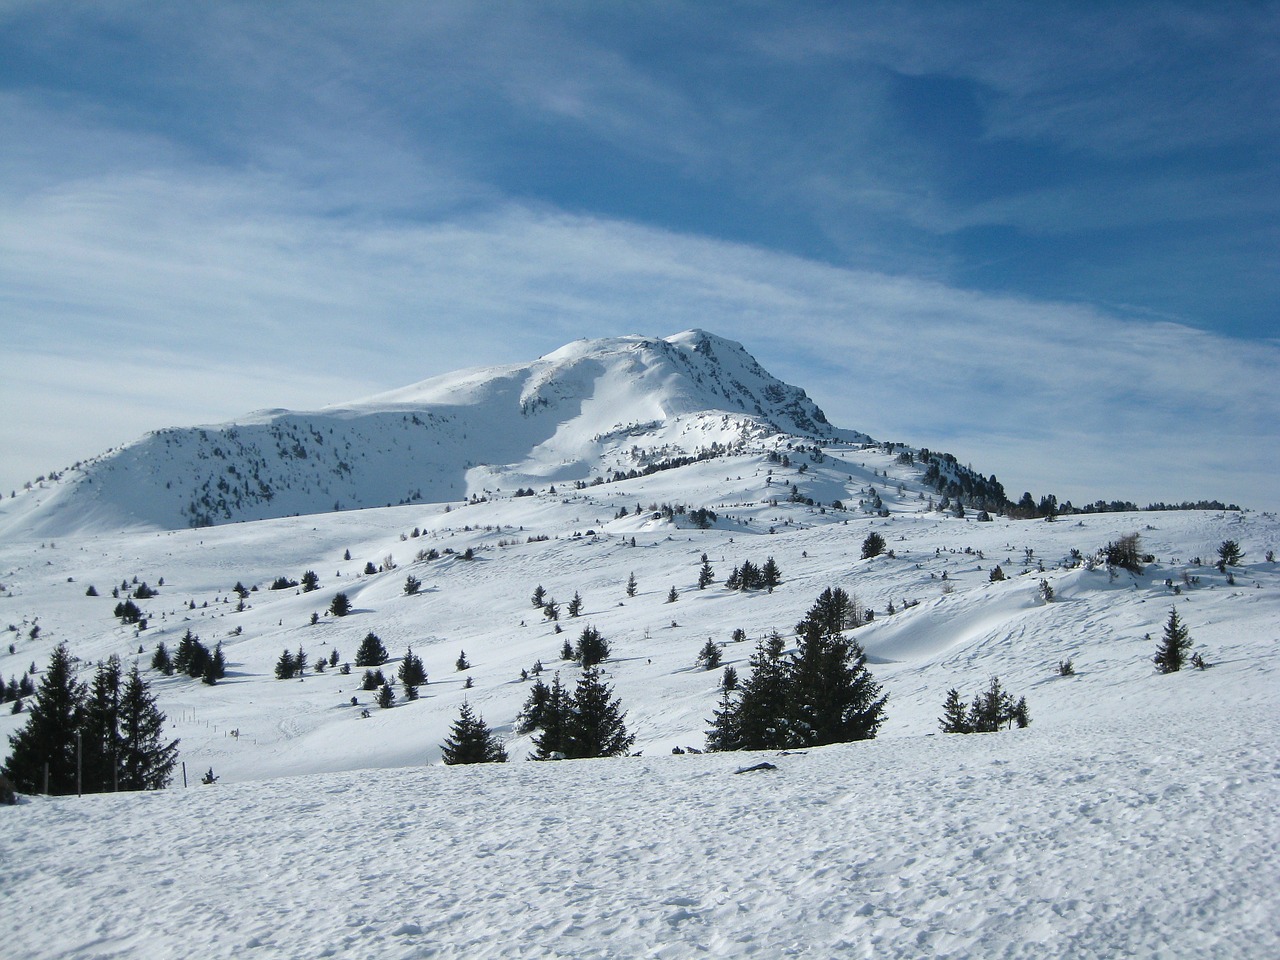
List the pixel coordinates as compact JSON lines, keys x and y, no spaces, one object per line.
{"x":1137,"y":816}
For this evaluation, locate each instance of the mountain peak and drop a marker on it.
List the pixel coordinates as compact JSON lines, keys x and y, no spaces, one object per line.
{"x":590,"y":410}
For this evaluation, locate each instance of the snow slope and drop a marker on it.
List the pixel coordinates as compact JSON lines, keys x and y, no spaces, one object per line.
{"x":1137,"y":816}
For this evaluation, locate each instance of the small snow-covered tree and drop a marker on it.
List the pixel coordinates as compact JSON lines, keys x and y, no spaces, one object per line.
{"x":471,"y":741}
{"x":709,"y":656}
{"x":1175,"y":644}
{"x":371,"y":652}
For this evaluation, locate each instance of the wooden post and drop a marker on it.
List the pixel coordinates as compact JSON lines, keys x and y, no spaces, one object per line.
{"x":184,"y":774}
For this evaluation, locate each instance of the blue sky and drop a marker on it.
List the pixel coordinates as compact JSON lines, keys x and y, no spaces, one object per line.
{"x":1044,"y":237}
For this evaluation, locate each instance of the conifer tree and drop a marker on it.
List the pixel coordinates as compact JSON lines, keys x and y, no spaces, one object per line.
{"x":285,"y":666}
{"x":215,"y":667}
{"x":706,"y":576}
{"x":709,"y":656}
{"x":310,"y":581}
{"x":386,"y":696}
{"x":146,"y":760}
{"x":371,"y":652}
{"x":955,"y":713}
{"x":724,"y":733}
{"x":770,"y":576}
{"x":50,"y":734}
{"x":539,"y":596}
{"x":575,"y":605}
{"x":833,"y":696}
{"x":462,"y":663}
{"x":729,"y":679}
{"x":412,"y":674}
{"x":592,"y":648}
{"x":596,"y":721}
{"x":340,"y":605}
{"x":759,"y":722}
{"x":991,"y":709}
{"x":672,"y":595}
{"x":100,"y":738}
{"x":530,"y":716}
{"x":161,"y":660}
{"x":553,"y":741}
{"x":631,"y":585}
{"x":872,"y":546}
{"x":566,"y":650}
{"x":1174,"y":646}
{"x":471,"y":740}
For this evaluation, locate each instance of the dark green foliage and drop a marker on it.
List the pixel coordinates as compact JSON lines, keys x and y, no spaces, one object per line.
{"x":340,"y":606}
{"x":672,"y":595}
{"x":709,"y":656}
{"x":310,"y":581}
{"x":286,"y":666}
{"x":192,"y":655}
{"x":996,"y":574}
{"x":552,"y":720}
{"x":92,"y":591}
{"x":128,"y":611}
{"x":834,"y":610}
{"x":595,"y":724}
{"x":702,"y":517}
{"x":1125,"y":553}
{"x":955,"y":713}
{"x":146,"y":760}
{"x":530,"y":717}
{"x":100,"y":728}
{"x":592,"y":648}
{"x":161,"y":660}
{"x":724,"y":733}
{"x":240,"y":590}
{"x":411,"y":585}
{"x":1174,"y":645}
{"x":215,"y":667}
{"x":1066,"y":668}
{"x":1229,"y":554}
{"x":370,"y":569}
{"x":575,"y":605}
{"x":371,"y":652}
{"x":566,"y":650}
{"x":551,"y":609}
{"x":462,"y":663}
{"x":872,"y":546}
{"x":729,"y":680}
{"x":706,"y":576}
{"x":282,"y":583}
{"x":386,"y":698}
{"x":412,"y":675}
{"x":631,"y":585}
{"x":539,"y":596}
{"x":333,"y":657}
{"x":471,"y":740}
{"x":770,"y":575}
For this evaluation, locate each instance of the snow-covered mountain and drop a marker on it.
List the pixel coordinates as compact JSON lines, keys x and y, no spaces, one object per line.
{"x":585,"y":412}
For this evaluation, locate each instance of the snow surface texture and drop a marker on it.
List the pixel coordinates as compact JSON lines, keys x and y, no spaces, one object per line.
{"x":1138,"y":816}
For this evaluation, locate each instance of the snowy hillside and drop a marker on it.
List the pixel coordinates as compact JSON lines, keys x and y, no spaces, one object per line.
{"x":1136,"y":816}
{"x":580,"y":413}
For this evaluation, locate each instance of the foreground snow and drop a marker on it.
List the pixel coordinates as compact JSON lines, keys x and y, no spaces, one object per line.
{"x":1154,"y":835}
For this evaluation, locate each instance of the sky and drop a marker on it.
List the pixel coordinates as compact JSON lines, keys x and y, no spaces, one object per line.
{"x":1042,"y":237}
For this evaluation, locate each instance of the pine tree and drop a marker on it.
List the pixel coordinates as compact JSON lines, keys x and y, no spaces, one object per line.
{"x":539,"y":596}
{"x":371,"y":653}
{"x":592,"y":648}
{"x":706,"y":576}
{"x":471,"y":740}
{"x":285,"y":666}
{"x":991,"y":709}
{"x":724,"y":733}
{"x":412,"y":674}
{"x":729,"y":679}
{"x":530,"y":716}
{"x":770,"y":576}
{"x":146,"y":761}
{"x":955,"y":714}
{"x":101,"y":742}
{"x":215,"y":667}
{"x":386,"y":696}
{"x":631,"y":585}
{"x":575,"y":605}
{"x":50,"y":734}
{"x":833,"y":697}
{"x":552,"y":742}
{"x":672,"y":595}
{"x":596,"y":721}
{"x":1174,"y":646}
{"x":872,"y":546}
{"x":759,"y":722}
{"x":411,"y":585}
{"x":566,"y":650}
{"x":311,"y":582}
{"x":161,"y":660}
{"x":462,"y":663}
{"x":551,"y":609}
{"x":709,"y":656}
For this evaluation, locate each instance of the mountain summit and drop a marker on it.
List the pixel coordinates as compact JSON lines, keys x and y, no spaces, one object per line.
{"x":585,"y":413}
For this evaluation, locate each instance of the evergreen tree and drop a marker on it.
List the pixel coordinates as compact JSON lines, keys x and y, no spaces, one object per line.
{"x":955,"y":714}
{"x":215,"y":667}
{"x":386,"y":696}
{"x":333,"y":657}
{"x":672,"y":595}
{"x":530,"y":716}
{"x":161,"y":660}
{"x":759,"y":721}
{"x":706,"y":576}
{"x":734,"y":580}
{"x":462,"y":663}
{"x":729,"y":679}
{"x":770,"y":576}
{"x":411,"y":585}
{"x":724,"y":733}
{"x":100,"y":740}
{"x":286,"y":667}
{"x":146,"y":761}
{"x":471,"y":740}
{"x":833,"y":697}
{"x":575,"y":605}
{"x":996,"y":574}
{"x":1229,"y":554}
{"x":50,"y":734}
{"x":709,"y":655}
{"x":412,"y":674}
{"x":552,"y":742}
{"x":834,"y":611}
{"x":1174,"y":646}
{"x":340,"y":606}
{"x":310,"y":581}
{"x":371,"y":652}
{"x":596,"y":722}
{"x":991,"y":709}
{"x":539,"y":596}
{"x":631,"y":585}
{"x":592,"y":648}
{"x":872,"y":546}
{"x":566,"y":650}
